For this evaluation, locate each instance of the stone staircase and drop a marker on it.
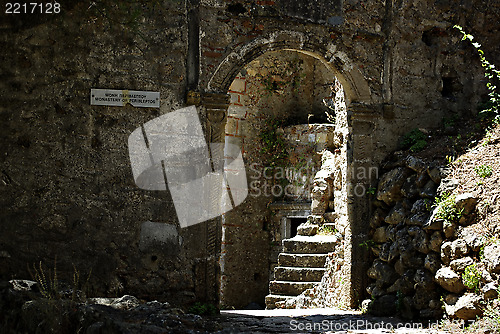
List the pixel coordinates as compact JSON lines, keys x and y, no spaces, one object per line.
{"x":300,"y":266}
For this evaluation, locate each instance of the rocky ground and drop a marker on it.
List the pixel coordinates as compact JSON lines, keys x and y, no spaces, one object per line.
{"x":24,"y":310}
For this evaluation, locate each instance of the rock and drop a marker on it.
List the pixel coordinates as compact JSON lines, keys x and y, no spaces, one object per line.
{"x":407,"y":308}
{"x":429,"y":190}
{"x":421,"y":180}
{"x":484,"y":273}
{"x":383,"y":273}
{"x":374,"y":291}
{"x":424,"y":279}
{"x":422,"y":297}
{"x":412,"y":259}
{"x":466,"y":203}
{"x":418,"y":219}
{"x":396,"y":215}
{"x":449,"y":229}
{"x":435,"y":304}
{"x":399,"y":267}
{"x":420,"y":205}
{"x":420,"y":239}
{"x":123,"y":303}
{"x":436,"y":241}
{"x":447,"y":186}
{"x":376,"y":250}
{"x":385,"y":306}
{"x":307,"y":228}
{"x":433,"y":223}
{"x":404,"y":284}
{"x":459,"y":248}
{"x":380,"y":234}
{"x":365,"y":306}
{"x":449,"y":280}
{"x":24,"y":285}
{"x":446,"y":252}
{"x":451,"y":298}
{"x":415,"y":164}
{"x":490,"y":290}
{"x":393,"y":251}
{"x":408,"y":188}
{"x":384,"y":252}
{"x":330,"y":217}
{"x":389,"y":187}
{"x":473,"y":240}
{"x":466,"y":307}
{"x":435,"y":174}
{"x":315,"y":219}
{"x":378,"y":218}
{"x":432,"y":262}
{"x":459,"y":265}
{"x":391,"y":232}
{"x":492,"y":257}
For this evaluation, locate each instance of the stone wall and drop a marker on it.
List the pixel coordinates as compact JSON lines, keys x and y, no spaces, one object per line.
{"x":67,"y":189}
{"x":429,"y":254}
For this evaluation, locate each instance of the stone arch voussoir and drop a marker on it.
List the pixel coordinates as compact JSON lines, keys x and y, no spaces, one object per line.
{"x":355,"y":85}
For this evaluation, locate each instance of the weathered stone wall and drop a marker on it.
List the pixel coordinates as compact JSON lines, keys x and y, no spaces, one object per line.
{"x":429,"y":254}
{"x":67,"y":188}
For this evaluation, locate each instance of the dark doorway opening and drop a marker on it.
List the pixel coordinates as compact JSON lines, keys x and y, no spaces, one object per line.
{"x":294,"y":224}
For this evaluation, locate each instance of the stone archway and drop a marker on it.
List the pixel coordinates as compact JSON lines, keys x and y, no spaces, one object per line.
{"x":362,"y":114}
{"x":356,"y":87}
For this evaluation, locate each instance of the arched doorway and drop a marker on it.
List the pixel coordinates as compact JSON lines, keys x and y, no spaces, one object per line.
{"x":358,"y":103}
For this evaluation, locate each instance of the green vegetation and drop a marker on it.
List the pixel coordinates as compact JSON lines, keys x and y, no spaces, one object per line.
{"x":492,"y":106}
{"x":371,"y":191}
{"x":414,"y":141}
{"x":274,"y":143}
{"x":327,"y":230}
{"x":446,"y":208}
{"x":368,"y":244}
{"x":203,"y":309}
{"x":471,"y":277}
{"x":483,"y":171}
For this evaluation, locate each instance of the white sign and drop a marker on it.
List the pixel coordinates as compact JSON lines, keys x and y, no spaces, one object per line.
{"x":113,"y":97}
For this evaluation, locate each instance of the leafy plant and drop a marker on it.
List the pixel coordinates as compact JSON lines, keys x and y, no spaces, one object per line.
{"x":327,"y":230}
{"x":418,"y":146}
{"x":203,"y":309}
{"x":273,"y":142}
{"x":446,"y":209}
{"x":371,"y":191}
{"x":367,"y":244}
{"x":414,"y":141}
{"x":483,"y":171}
{"x":491,"y":73}
{"x":471,"y":277}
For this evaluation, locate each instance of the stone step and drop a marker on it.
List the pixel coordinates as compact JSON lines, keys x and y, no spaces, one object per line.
{"x":301,"y":260}
{"x":295,"y":274}
{"x":271,"y":300}
{"x":317,"y":244}
{"x":287,"y":288}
